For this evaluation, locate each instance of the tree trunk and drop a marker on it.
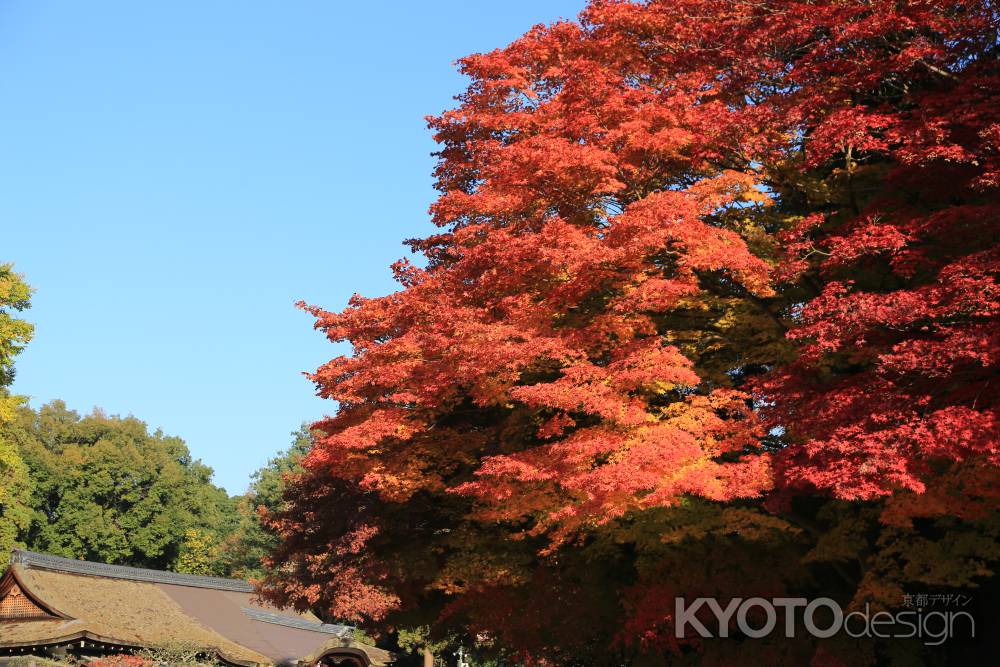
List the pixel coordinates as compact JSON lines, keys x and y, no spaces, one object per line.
{"x":428,"y":658}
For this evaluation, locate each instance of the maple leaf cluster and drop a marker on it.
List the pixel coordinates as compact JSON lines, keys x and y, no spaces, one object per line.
{"x":715,"y":283}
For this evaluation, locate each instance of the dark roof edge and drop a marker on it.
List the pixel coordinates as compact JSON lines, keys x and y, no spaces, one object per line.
{"x":345,"y":631}
{"x":31,"y":559}
{"x":87,"y":634}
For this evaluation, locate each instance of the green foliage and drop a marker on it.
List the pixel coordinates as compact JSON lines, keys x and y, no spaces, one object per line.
{"x":15,"y":297}
{"x":107,"y":489}
{"x":34,"y":661}
{"x":15,"y":492}
{"x":15,"y":484}
{"x":362,"y":637}
{"x":250,"y":542}
{"x":417,"y":639}
{"x":177,"y":653}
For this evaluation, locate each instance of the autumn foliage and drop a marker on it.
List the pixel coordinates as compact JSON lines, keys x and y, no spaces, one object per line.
{"x":711,"y":308}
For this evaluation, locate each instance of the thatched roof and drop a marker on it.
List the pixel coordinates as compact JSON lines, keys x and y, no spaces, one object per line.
{"x":56,"y":601}
{"x":34,"y":560}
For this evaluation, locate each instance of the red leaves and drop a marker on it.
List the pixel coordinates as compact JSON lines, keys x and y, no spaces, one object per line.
{"x":559,"y":303}
{"x":871,"y":238}
{"x":850,"y":131}
{"x":883,"y":454}
{"x":634,"y":209}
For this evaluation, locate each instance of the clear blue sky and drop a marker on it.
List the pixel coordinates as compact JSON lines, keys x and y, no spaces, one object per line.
{"x":174,"y":175}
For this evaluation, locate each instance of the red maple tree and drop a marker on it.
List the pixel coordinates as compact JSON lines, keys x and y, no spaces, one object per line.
{"x":690,"y":251}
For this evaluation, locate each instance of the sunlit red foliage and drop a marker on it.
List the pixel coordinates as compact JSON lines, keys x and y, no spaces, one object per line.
{"x":692,"y":254}
{"x":899,"y":104}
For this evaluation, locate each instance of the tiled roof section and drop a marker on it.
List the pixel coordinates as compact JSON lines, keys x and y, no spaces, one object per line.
{"x":31,"y":559}
{"x":300,"y":623}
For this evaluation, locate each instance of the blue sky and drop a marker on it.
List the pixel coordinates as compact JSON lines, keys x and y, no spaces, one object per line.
{"x":175,"y":175}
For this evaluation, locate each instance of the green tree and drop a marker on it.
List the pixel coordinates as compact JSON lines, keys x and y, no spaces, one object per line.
{"x":15,"y":491}
{"x":417,"y":640}
{"x":15,"y":484}
{"x":15,"y":333}
{"x":107,"y":489}
{"x":250,"y":542}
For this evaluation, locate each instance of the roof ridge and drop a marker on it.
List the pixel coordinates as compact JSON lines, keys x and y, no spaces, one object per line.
{"x":298,"y":622}
{"x":32,"y":559}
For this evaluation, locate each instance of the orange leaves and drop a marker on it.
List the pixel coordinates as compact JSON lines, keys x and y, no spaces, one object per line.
{"x":585,"y":188}
{"x":651,"y":365}
{"x":601,"y":472}
{"x":606,"y":391}
{"x":580,"y":350}
{"x":672,"y":221}
{"x":652,"y":294}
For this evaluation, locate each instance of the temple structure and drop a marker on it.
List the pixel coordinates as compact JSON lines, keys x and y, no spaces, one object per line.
{"x":57,"y":607}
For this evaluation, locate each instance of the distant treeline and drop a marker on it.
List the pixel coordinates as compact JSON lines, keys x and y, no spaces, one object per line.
{"x":105,"y":488}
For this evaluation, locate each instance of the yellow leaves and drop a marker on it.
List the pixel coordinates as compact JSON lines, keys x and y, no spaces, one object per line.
{"x":756,"y":195}
{"x":468,"y":569}
{"x":9,"y":405}
{"x":661,"y":386}
{"x":14,"y":292}
{"x":15,"y":333}
{"x":693,"y":519}
{"x":730,"y":319}
{"x":199,"y":553}
{"x":561,"y":276}
{"x":755,"y":524}
{"x":696,"y":303}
